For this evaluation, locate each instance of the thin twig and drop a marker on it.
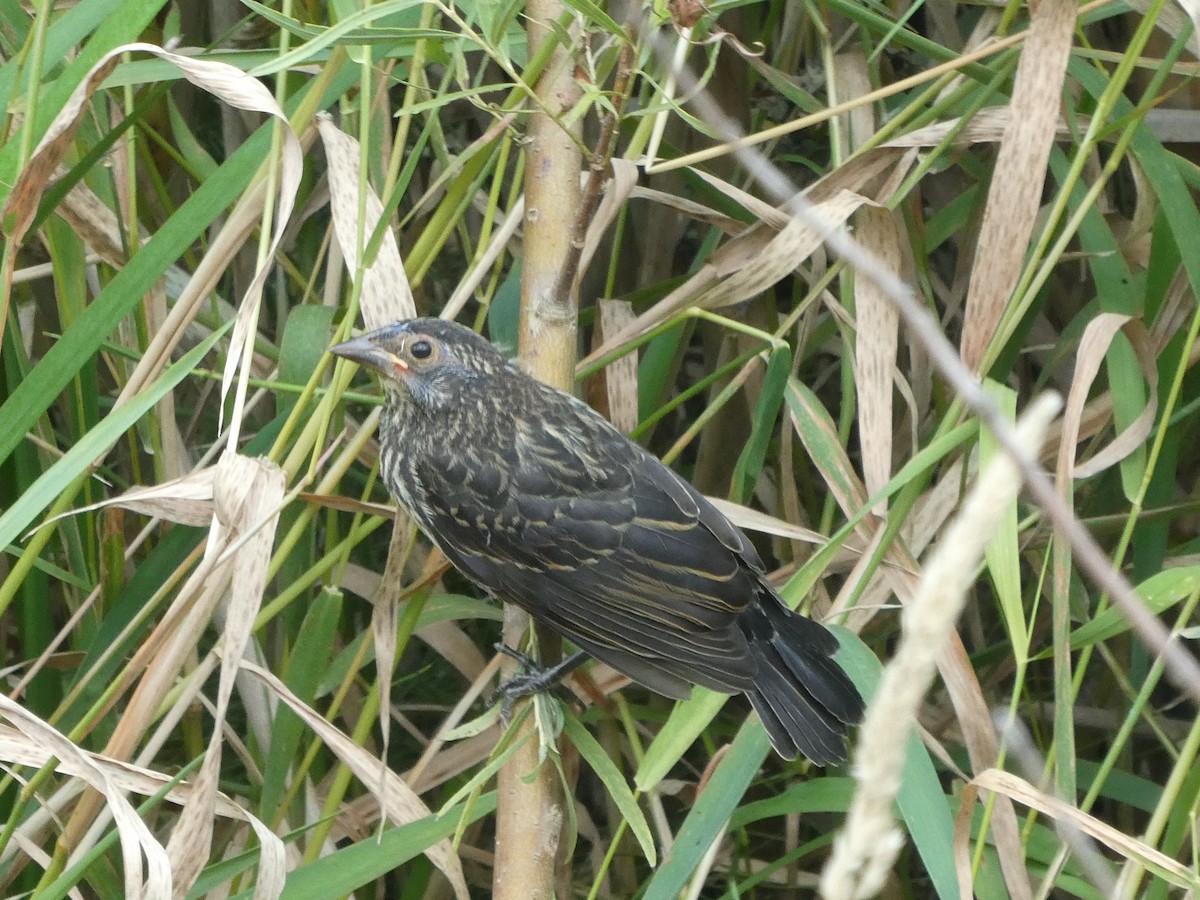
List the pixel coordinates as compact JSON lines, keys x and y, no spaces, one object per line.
{"x":599,"y":165}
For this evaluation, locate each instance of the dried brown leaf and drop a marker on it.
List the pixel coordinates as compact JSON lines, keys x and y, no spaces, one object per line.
{"x":744,"y":266}
{"x":18,"y":748}
{"x":876,"y":344}
{"x":621,"y":375}
{"x":1016,"y":189}
{"x":22,"y":203}
{"x":617,"y":191}
{"x":754,"y":520}
{"x":386,"y":296}
{"x":850,"y":79}
{"x":962,"y":839}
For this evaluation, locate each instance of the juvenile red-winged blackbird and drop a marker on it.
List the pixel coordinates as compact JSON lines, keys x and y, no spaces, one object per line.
{"x":541,"y":501}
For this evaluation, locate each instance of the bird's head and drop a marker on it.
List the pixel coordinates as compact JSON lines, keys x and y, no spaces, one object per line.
{"x":429,"y":362}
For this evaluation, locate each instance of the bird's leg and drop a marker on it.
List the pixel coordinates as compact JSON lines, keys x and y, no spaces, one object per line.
{"x":534,"y":680}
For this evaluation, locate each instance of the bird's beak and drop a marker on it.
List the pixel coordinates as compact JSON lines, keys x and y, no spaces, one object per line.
{"x":364,"y":351}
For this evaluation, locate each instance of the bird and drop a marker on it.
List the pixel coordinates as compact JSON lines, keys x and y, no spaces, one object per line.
{"x":543,"y":503}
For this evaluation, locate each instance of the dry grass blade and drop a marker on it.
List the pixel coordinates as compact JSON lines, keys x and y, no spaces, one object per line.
{"x":385,"y":294}
{"x":17,"y":748}
{"x":745,"y":266}
{"x":187,"y":500}
{"x":878,"y":339}
{"x":851,"y":79}
{"x":238,"y":89}
{"x":385,"y":614}
{"x":22,"y":203}
{"x":962,"y":839}
{"x":986,"y":126}
{"x":617,"y":191}
{"x":749,"y":519}
{"x":1014,"y":196}
{"x":174,"y":641}
{"x":620,"y":376}
{"x":779,"y":256}
{"x":1129,"y":847}
{"x":95,"y":222}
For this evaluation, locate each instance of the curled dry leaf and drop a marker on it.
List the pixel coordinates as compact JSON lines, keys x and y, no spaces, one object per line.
{"x":349,"y":504}
{"x":19,"y":748}
{"x":22,"y":203}
{"x":247,"y":496}
{"x":135,"y":838}
{"x":743,"y":267}
{"x":696,"y":211}
{"x":1093,"y":346}
{"x":187,"y":500}
{"x":617,"y":191}
{"x":228,"y":83}
{"x":394,"y":795}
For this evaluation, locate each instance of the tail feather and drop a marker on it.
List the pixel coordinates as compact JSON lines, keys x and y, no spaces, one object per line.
{"x":794,"y":723}
{"x":814,"y":667}
{"x":805,"y":700}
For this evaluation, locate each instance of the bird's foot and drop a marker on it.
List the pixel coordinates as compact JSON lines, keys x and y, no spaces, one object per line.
{"x":536,"y":678}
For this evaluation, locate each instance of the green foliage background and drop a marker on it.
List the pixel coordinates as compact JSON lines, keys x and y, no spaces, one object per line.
{"x":755,"y":398}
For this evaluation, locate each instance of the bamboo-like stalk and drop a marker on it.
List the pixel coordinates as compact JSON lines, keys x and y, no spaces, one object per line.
{"x":530,"y":812}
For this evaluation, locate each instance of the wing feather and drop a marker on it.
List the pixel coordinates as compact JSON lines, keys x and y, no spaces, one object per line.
{"x":616,"y":553}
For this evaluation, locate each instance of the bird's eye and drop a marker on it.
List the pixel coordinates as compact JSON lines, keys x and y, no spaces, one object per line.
{"x":421,"y":349}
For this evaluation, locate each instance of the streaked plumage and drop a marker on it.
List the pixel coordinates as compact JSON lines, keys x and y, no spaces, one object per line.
{"x":541,"y":501}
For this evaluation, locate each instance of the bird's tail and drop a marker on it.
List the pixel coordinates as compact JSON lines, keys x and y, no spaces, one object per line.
{"x":805,"y":700}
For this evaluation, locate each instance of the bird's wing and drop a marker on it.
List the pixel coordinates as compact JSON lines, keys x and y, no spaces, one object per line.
{"x":606,"y":546}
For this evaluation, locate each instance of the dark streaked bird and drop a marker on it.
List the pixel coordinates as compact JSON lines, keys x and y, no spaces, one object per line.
{"x":541,"y":501}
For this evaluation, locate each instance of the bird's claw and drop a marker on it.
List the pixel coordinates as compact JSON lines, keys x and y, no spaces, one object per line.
{"x":526,"y":662}
{"x":536,"y":679}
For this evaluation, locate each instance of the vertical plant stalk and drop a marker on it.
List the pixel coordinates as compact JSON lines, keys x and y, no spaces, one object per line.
{"x":530,"y":810}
